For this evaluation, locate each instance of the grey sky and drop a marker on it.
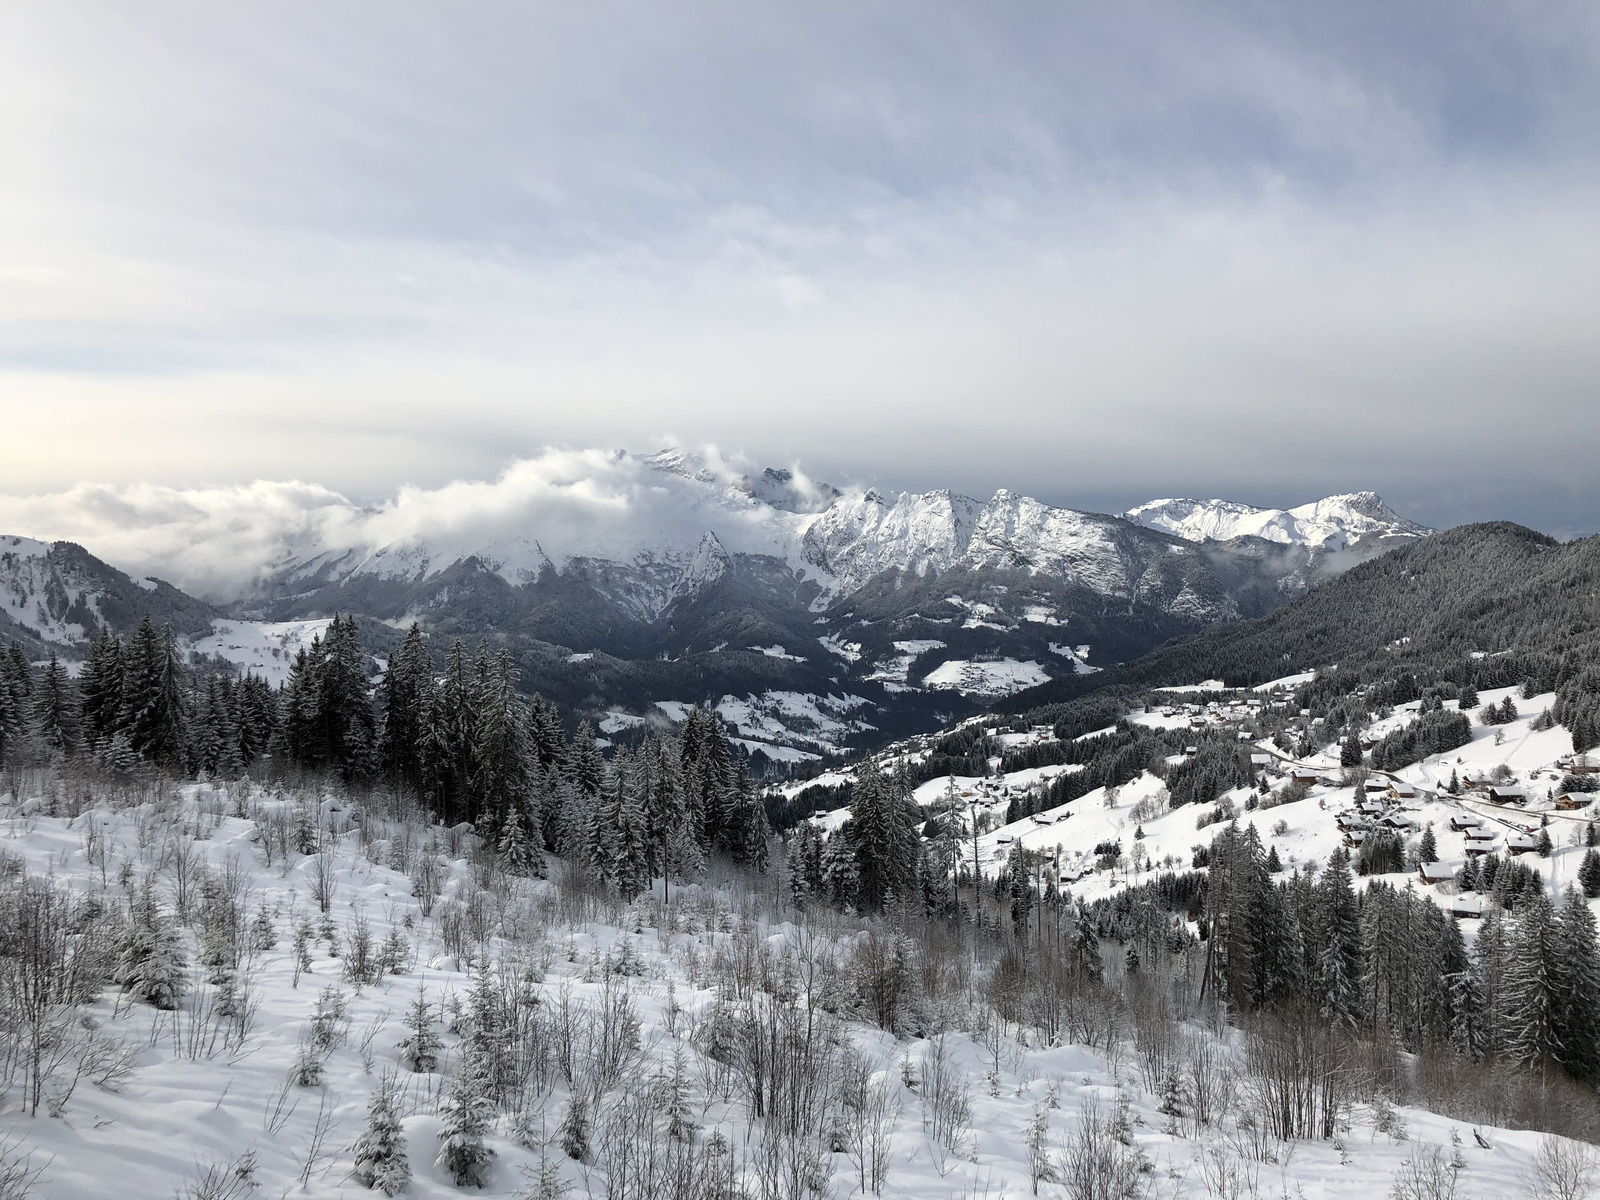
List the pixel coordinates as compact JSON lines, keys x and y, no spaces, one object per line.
{"x":1096,"y":253}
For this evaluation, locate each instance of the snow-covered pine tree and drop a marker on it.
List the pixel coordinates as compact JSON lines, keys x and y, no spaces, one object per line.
{"x":499,"y":787}
{"x":1531,"y":984}
{"x":150,"y":963}
{"x":1577,"y":975}
{"x":1427,"y":846}
{"x":1339,"y":966}
{"x":884,"y":836}
{"x":100,"y":689}
{"x":466,"y":1119}
{"x":1589,"y":873}
{"x":629,"y":856}
{"x":380,"y":1152}
{"x":419,"y":1050}
{"x":1350,"y":752}
{"x":577,"y":827}
{"x":154,"y":712}
{"x":447,"y":751}
{"x":406,"y":694}
{"x":1019,"y":882}
{"x":55,"y":708}
{"x":840,"y":875}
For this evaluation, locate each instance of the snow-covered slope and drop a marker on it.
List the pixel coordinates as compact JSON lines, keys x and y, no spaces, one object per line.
{"x":56,"y":594}
{"x":196,"y":1103}
{"x":1333,"y":523}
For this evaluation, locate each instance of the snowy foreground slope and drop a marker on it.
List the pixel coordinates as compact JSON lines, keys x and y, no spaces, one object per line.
{"x":632,"y":1006}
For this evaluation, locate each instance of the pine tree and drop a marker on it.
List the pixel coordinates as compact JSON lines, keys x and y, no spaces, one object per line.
{"x":380,"y":1152}
{"x":838,"y":865}
{"x":344,"y":707}
{"x":1350,"y":753}
{"x":447,"y":752}
{"x":884,"y":836}
{"x":100,"y":690}
{"x":499,"y":786}
{"x":467,"y":1117}
{"x":1589,"y":873}
{"x":1340,"y":959}
{"x":577,"y":828}
{"x":1427,"y":848}
{"x":420,"y":1048}
{"x":55,"y":708}
{"x":150,"y":965}
{"x":1577,"y":975}
{"x":1020,"y":886}
{"x":406,"y":694}
{"x":1532,"y":990}
{"x":153,"y":706}
{"x":628,"y":857}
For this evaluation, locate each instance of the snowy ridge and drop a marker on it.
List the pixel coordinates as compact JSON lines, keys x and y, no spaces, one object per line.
{"x":1333,"y":523}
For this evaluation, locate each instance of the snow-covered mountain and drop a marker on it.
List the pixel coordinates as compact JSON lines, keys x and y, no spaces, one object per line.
{"x":626,"y":582}
{"x":1331,"y":524}
{"x":56,"y":594}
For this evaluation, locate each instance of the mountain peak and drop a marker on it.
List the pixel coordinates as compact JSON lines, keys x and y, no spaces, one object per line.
{"x":1332,"y":523}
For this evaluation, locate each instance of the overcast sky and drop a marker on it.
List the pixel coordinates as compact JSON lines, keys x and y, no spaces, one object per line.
{"x":1095,"y":253}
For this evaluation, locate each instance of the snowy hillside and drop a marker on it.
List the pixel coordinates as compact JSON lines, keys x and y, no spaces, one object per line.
{"x":294,"y":1060}
{"x":1334,"y":523}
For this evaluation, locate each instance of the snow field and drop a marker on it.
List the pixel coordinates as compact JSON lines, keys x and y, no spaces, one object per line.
{"x":675,"y":962}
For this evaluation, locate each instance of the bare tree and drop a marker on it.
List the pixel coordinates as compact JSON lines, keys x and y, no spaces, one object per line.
{"x":1562,"y":1170}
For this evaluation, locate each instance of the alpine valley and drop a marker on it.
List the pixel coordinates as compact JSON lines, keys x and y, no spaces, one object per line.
{"x":811,"y":618}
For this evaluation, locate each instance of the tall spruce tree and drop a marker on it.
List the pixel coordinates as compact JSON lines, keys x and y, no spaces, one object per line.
{"x":55,"y":708}
{"x":1577,"y":975}
{"x":100,"y":690}
{"x":884,"y":837}
{"x":406,"y":695}
{"x":153,"y":703}
{"x":1532,"y":985}
{"x":499,"y":787}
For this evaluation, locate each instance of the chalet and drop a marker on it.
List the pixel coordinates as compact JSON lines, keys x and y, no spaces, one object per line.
{"x":1400,"y":790}
{"x":1506,"y":794}
{"x":1481,"y":841}
{"x":1372,"y":808}
{"x":1354,"y":837}
{"x":1521,"y":843}
{"x":1260,"y":762}
{"x":1461,"y":820}
{"x":1435,"y":872}
{"x":1582,"y":764}
{"x":1374,"y":786}
{"x":1191,"y":751}
{"x":1395,"y":821}
{"x":1303,"y":777}
{"x":1568,"y":801}
{"x":1468,"y":905}
{"x":1041,"y":819}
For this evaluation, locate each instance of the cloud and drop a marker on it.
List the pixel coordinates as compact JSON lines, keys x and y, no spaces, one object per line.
{"x":1093,"y":253}
{"x":220,"y":542}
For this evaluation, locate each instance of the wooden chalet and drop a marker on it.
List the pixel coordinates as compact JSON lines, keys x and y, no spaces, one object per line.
{"x":1480,"y":842}
{"x":1506,"y":794}
{"x":1460,"y":821}
{"x":1436,"y":872}
{"x":1400,"y":790}
{"x":1571,"y":801}
{"x":1521,"y":843}
{"x":1468,"y":905}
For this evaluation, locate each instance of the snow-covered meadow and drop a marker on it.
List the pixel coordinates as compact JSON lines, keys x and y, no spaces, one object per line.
{"x":718,"y":1042}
